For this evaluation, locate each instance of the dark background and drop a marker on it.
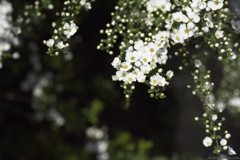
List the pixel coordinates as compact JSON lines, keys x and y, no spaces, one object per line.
{"x":27,"y":133}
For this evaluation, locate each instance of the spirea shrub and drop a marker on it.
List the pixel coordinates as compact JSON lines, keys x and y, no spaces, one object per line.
{"x":148,"y":33}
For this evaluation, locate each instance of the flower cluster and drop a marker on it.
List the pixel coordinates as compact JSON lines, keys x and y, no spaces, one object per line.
{"x":213,"y":126}
{"x":155,"y":26}
{"x":8,"y":32}
{"x":57,"y":43}
{"x":141,"y":59}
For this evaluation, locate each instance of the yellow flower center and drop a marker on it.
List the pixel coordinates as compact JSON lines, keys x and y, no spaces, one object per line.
{"x":208,"y":143}
{"x":216,"y":2}
{"x":154,"y":81}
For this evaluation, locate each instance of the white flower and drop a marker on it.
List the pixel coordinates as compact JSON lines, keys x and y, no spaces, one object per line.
{"x":236,"y":25}
{"x":178,"y":16}
{"x":198,"y":4}
{"x":88,"y":6}
{"x":50,"y":42}
{"x":223,"y":142}
{"x":177,"y":37}
{"x":151,"y":48}
{"x":116,"y":62}
{"x":60,"y":45}
{"x":207,"y":141}
{"x":139,"y":44}
{"x":161,"y":81}
{"x":149,"y":19}
{"x":162,"y":55}
{"x":207,"y":16}
{"x":83,"y":2}
{"x":130,"y":77}
{"x":70,"y":30}
{"x":121,"y":75}
{"x":114,"y":78}
{"x":225,"y":147}
{"x":154,"y":80}
{"x":145,"y":68}
{"x":234,"y":56}
{"x":231,"y":151}
{"x":138,"y":63}
{"x":141,"y":77}
{"x":205,"y":29}
{"x":185,"y":31}
{"x":165,"y":6}
{"x":132,"y":56}
{"x":162,"y":35}
{"x":215,"y":4}
{"x":145,"y":58}
{"x":214,"y":117}
{"x":219,"y":34}
{"x":227,"y":136}
{"x":191,"y":19}
{"x":169,"y":74}
{"x":197,"y":63}
{"x":169,"y":23}
{"x":125,"y":66}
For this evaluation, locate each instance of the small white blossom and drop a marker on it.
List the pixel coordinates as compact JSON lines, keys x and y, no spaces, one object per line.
{"x":215,"y":4}
{"x":70,"y":30}
{"x":130,"y":77}
{"x":139,"y":44}
{"x":227,"y":136}
{"x":125,"y":66}
{"x":121,"y":75}
{"x":116,"y":62}
{"x":178,"y":16}
{"x":141,"y":77}
{"x":207,"y":141}
{"x":223,"y":142}
{"x":214,"y":117}
{"x":50,"y":42}
{"x":219,"y":34}
{"x":225,"y":147}
{"x":88,"y":6}
{"x":169,"y":74}
{"x":197,"y":63}
{"x":177,"y":37}
{"x":60,"y":45}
